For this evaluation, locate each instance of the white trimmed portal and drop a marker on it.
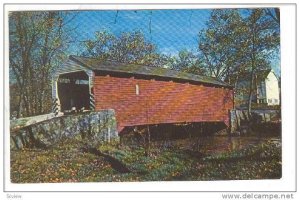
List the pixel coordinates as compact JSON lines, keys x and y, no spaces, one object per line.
{"x":72,"y":87}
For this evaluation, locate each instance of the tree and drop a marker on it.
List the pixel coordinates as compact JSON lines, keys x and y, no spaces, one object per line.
{"x":262,"y":40}
{"x":234,"y":45}
{"x":219,"y":43}
{"x":100,"y":46}
{"x":187,"y":61}
{"x":37,"y":44}
{"x":129,"y":47}
{"x":274,"y":13}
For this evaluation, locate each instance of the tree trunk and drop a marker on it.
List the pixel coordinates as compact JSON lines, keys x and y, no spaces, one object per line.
{"x":20,"y":105}
{"x":148,"y":140}
{"x":253,"y":67}
{"x":250,"y":93}
{"x":251,"y":84}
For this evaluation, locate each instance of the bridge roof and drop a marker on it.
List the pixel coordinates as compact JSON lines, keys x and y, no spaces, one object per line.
{"x":135,"y":69}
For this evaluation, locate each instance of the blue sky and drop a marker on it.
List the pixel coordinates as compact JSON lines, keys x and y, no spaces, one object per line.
{"x":171,"y":30}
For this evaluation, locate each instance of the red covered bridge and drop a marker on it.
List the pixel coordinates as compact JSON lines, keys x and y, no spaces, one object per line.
{"x":140,"y":95}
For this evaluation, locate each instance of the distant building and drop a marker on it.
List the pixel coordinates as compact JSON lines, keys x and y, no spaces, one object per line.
{"x":266,"y":89}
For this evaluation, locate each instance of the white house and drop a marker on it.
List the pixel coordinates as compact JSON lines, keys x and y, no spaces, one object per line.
{"x":266,"y":88}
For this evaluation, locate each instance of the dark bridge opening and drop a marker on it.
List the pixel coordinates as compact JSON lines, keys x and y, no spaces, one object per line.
{"x":162,"y":132}
{"x":73,"y":91}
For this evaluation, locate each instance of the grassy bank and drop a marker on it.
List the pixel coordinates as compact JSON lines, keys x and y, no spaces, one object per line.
{"x":68,"y":162}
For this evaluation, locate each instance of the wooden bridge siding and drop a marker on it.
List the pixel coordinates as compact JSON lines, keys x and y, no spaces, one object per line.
{"x":161,"y":101}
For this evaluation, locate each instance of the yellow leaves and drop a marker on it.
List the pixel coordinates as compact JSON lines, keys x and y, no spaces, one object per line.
{"x":175,"y":174}
{"x":55,"y":180}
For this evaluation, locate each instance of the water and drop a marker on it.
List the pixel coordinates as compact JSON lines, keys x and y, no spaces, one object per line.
{"x":213,"y":144}
{"x":218,"y":144}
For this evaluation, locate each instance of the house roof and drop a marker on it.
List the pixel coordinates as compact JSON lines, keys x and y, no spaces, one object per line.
{"x":263,"y":74}
{"x":135,"y":69}
{"x":260,"y":75}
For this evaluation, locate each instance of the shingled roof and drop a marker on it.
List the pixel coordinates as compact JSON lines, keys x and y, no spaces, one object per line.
{"x":135,"y":69}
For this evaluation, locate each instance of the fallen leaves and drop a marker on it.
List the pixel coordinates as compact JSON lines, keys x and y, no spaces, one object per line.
{"x":68,"y":164}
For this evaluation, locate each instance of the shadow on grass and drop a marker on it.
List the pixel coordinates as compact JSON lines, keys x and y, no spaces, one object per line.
{"x":114,"y":163}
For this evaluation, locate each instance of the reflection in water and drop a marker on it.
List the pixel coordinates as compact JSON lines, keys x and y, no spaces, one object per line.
{"x":213,"y":144}
{"x":221,"y":144}
{"x":234,"y":143}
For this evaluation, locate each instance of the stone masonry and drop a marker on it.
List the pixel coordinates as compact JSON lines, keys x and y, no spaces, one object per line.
{"x":93,"y":127}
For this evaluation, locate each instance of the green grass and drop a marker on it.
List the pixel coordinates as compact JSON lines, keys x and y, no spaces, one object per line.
{"x":66,"y":162}
{"x":261,"y":161}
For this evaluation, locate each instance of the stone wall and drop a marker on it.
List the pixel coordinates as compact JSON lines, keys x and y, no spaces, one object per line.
{"x":237,"y":117}
{"x":93,"y":127}
{"x":240,"y":119}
